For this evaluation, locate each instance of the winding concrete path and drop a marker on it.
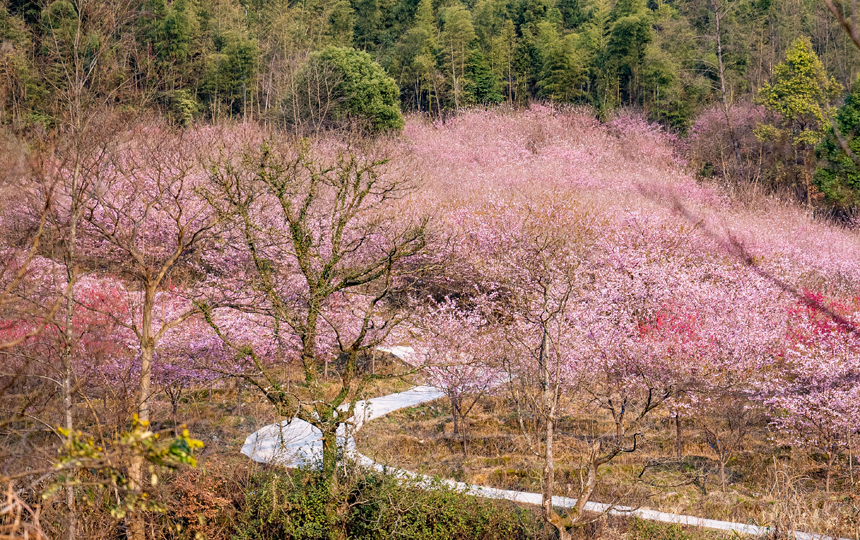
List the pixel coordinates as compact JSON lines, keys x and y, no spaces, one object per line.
{"x":295,"y":443}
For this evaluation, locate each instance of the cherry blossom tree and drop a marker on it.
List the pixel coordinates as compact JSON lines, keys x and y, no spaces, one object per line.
{"x":701,"y":334}
{"x":142,"y":223}
{"x":454,"y":348}
{"x":570,"y":337}
{"x":817,"y":398}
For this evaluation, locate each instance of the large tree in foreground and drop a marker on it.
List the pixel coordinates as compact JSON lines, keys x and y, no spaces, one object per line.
{"x":317,"y":252}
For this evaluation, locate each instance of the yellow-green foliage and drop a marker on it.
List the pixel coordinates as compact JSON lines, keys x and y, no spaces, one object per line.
{"x":801,"y":94}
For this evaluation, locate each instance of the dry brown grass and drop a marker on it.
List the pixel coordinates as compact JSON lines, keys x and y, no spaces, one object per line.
{"x":767,"y":485}
{"x":205,"y":499}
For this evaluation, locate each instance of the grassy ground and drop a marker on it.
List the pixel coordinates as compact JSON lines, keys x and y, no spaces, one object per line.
{"x":766,"y":485}
{"x":422,"y":439}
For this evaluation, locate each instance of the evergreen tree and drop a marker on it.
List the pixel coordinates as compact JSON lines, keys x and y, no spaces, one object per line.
{"x":22,"y":90}
{"x":342,"y":22}
{"x":838,"y":173}
{"x":561,"y":77}
{"x":596,"y":33}
{"x":571,"y":13}
{"x":456,"y":38}
{"x":801,"y":94}
{"x":628,"y":39}
{"x":230,"y":70}
{"x":672,"y":94}
{"x":482,"y":85}
{"x":171,"y":32}
{"x":367,"y":23}
{"x":424,"y":64}
{"x":361,"y":92}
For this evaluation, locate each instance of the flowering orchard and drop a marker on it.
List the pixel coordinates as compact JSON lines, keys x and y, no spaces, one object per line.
{"x":570,"y":267}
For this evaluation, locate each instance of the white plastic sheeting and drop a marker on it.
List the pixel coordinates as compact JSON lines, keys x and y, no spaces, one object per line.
{"x":293,"y":443}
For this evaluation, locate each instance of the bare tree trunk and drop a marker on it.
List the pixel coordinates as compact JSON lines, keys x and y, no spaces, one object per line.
{"x":548,"y":472}
{"x":719,"y":13}
{"x":436,"y":93}
{"x":240,"y":383}
{"x":549,"y":406}
{"x":68,"y":344}
{"x":679,"y":442}
{"x":454,"y":81}
{"x":590,"y":484}
{"x":851,"y":456}
{"x":137,"y":529}
{"x":147,"y":351}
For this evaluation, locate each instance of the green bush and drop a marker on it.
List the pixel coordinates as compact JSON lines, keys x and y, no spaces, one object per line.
{"x":341,"y":86}
{"x":182,"y":106}
{"x":373,"y":506}
{"x":279,"y":504}
{"x":649,"y":530}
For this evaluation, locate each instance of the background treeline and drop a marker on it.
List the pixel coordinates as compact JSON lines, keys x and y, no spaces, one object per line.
{"x":228,"y":58}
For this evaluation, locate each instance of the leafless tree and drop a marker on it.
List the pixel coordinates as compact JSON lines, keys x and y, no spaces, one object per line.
{"x":725,"y":421}
{"x":325,"y":253}
{"x":144,"y":222}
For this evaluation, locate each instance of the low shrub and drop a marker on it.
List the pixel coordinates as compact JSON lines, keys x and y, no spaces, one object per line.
{"x":372,"y":505}
{"x":649,"y":530}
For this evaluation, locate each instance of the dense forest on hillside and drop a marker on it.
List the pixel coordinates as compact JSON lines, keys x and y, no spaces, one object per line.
{"x":227,"y":58}
{"x":751,"y":86}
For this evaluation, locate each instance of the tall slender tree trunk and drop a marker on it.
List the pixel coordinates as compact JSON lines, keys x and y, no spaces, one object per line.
{"x":679,"y":442}
{"x":147,"y":351}
{"x":454,"y":81}
{"x":851,"y":456}
{"x":549,"y":406}
{"x":136,"y":523}
{"x":68,"y":344}
{"x":718,"y":17}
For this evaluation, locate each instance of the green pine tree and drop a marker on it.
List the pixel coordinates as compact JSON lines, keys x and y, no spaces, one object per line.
{"x":801,"y":94}
{"x":482,"y":85}
{"x":838,"y":173}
